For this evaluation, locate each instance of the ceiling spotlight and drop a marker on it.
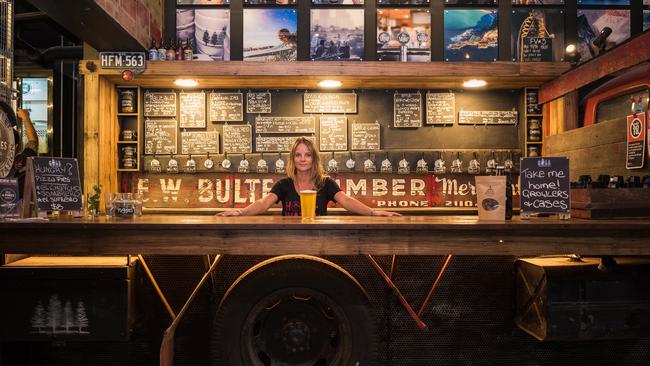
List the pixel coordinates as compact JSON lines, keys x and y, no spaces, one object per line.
{"x":186,"y":83}
{"x":330,"y":84}
{"x":474,"y":83}
{"x":571,"y":54}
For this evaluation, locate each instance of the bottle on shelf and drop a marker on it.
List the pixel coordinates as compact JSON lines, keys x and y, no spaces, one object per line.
{"x":162,"y":52}
{"x":179,"y":50}
{"x":153,"y":51}
{"x":188,"y":52}
{"x":171,"y":51}
{"x":534,"y":130}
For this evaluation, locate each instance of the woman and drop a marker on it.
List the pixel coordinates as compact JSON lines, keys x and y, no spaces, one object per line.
{"x":306,"y":173}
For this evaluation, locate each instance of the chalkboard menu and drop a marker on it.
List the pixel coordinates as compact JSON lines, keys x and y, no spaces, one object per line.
{"x":333,"y":133}
{"x":192,"y":107}
{"x":537,"y":49}
{"x":160,"y":136}
{"x":160,"y":104}
{"x":237,"y":139}
{"x":9,"y":198}
{"x":532,"y":101}
{"x":545,"y":185}
{"x":274,"y":143}
{"x":487,"y":117}
{"x":441,"y":108}
{"x":258,"y":102}
{"x":199,"y":142}
{"x":366,"y":136}
{"x":226,"y":107}
{"x":407,"y":110}
{"x":56,"y":184}
{"x":329,"y":103}
{"x":285,"y":125}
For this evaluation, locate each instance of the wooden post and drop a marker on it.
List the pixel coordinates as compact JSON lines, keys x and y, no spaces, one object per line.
{"x":91,"y":141}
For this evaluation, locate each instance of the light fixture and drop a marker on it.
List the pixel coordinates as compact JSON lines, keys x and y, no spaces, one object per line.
{"x":187,"y":83}
{"x":601,"y":41}
{"x":571,"y":54}
{"x":474,"y":83}
{"x":330,"y":83}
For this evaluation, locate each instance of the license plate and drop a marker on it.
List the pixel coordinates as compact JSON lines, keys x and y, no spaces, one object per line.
{"x":122,"y":60}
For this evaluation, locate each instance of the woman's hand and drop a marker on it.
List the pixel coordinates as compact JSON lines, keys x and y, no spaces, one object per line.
{"x":384,"y":213}
{"x":229,"y":213}
{"x":22,"y":114}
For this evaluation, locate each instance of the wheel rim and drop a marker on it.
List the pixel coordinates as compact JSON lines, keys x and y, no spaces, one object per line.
{"x":296,"y":326}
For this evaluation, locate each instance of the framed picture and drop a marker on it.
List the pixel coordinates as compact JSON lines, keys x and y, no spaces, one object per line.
{"x":269,"y":2}
{"x":337,"y":2}
{"x":202,"y":2}
{"x":207,"y":29}
{"x":604,"y":2}
{"x":270,"y":35}
{"x":537,"y":2}
{"x":403,"y":2}
{"x":646,"y":20}
{"x":471,"y":35}
{"x":537,"y":34}
{"x":471,"y":2}
{"x":592,"y":21}
{"x":336,"y":35}
{"x":404,"y":27}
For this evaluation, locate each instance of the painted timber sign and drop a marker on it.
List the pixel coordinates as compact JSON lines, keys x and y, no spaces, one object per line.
{"x":220,"y":190}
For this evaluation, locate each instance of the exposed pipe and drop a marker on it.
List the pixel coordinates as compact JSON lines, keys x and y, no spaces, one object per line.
{"x":435,"y":285}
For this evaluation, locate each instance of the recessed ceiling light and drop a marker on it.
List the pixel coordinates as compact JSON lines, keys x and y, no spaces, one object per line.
{"x":474,"y":83}
{"x":186,"y":82}
{"x":329,"y":83}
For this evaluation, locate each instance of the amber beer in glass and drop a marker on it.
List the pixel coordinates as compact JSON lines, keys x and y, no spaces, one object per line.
{"x":308,"y":205}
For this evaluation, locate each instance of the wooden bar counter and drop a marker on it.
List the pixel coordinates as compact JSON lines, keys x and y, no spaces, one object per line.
{"x":331,"y":235}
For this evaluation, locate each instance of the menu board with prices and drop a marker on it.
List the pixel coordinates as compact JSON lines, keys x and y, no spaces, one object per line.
{"x":441,"y":108}
{"x":487,"y":117}
{"x":285,"y":125}
{"x":199,"y":142}
{"x":329,"y":103}
{"x":333,"y":133}
{"x":160,"y":136}
{"x":226,"y":107}
{"x":258,"y":102}
{"x":192,"y":106}
{"x":237,"y":139}
{"x":160,"y":104}
{"x":56,"y":184}
{"x":366,"y":136}
{"x":274,"y":143}
{"x":407,"y":110}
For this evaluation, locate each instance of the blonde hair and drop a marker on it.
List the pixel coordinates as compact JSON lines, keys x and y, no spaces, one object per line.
{"x":317,"y":172}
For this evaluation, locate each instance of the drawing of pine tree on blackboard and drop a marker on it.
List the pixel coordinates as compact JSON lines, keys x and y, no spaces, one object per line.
{"x":38,"y":319}
{"x":57,"y":318}
{"x":82,"y":319}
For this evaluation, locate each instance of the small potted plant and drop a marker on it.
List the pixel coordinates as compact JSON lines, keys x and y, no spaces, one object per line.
{"x":93,"y":201}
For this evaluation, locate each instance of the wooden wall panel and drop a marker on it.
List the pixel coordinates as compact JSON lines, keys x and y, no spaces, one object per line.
{"x":108,"y":134}
{"x":91,"y":131}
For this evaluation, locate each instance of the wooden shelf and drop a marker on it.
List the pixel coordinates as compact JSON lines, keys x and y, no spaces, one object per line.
{"x":127,"y":170}
{"x":534,"y":115}
{"x":353,"y":75}
{"x":128,"y":142}
{"x":127,"y":114}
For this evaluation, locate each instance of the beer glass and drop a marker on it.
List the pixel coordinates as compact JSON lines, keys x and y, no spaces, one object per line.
{"x":308,"y":205}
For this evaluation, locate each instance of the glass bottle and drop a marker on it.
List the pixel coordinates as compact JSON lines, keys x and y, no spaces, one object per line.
{"x":171,"y":51}
{"x":188,"y":52}
{"x":179,"y":50}
{"x":153,"y":51}
{"x":162,"y":52}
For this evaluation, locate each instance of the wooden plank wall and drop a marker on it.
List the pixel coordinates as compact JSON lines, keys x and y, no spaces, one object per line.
{"x":108,"y":135}
{"x":594,"y":150}
{"x":91,"y":131}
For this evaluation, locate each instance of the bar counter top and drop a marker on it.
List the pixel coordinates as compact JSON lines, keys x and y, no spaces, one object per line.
{"x":329,"y":235}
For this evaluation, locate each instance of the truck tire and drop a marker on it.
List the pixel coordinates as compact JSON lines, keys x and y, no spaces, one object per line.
{"x":295,"y":310}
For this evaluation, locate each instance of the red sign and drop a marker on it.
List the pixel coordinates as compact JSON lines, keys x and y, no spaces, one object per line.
{"x":636,"y":141}
{"x":222,"y":190}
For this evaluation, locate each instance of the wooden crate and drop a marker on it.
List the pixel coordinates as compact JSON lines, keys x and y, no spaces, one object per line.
{"x":594,"y":203}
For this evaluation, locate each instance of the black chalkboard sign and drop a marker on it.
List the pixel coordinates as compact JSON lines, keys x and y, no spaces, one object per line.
{"x":237,"y":139}
{"x":407,"y":110}
{"x":285,"y":125}
{"x":333,"y":133}
{"x":160,"y":104}
{"x":199,"y":142}
{"x":55,"y":184}
{"x":226,"y":107}
{"x":329,"y":103}
{"x":544,"y":185}
{"x":487,"y":117}
{"x":192,"y":107}
{"x":537,"y":49}
{"x":160,"y":136}
{"x":441,"y":108}
{"x":366,"y":136}
{"x":258,"y":102}
{"x":9,"y":198}
{"x":274,"y":143}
